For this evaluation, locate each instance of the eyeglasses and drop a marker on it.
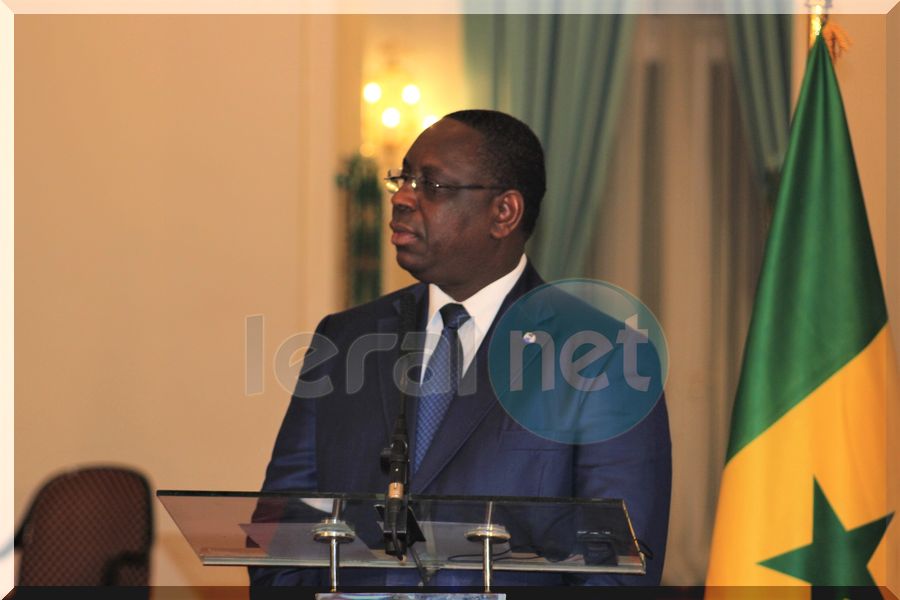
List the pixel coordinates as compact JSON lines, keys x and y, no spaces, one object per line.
{"x":396,"y":179}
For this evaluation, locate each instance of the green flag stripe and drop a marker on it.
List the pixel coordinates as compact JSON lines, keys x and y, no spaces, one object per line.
{"x":819,"y":301}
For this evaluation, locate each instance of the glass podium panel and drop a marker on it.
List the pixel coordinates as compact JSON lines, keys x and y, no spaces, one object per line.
{"x":277,"y":529}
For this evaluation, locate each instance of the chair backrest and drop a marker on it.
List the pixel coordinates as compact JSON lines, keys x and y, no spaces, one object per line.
{"x":92,"y":526}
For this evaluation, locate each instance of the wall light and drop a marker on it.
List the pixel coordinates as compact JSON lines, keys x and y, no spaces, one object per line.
{"x":411,"y":94}
{"x":372,"y":92}
{"x":393,"y":112}
{"x":390,"y":117}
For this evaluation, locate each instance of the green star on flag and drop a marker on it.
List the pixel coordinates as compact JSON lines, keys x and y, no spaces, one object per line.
{"x":836,"y":556}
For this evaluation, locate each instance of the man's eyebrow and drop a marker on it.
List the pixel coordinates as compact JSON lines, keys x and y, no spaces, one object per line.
{"x":432,"y":171}
{"x":427,"y":170}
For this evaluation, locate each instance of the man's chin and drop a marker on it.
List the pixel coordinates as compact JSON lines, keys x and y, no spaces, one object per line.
{"x":412,"y":265}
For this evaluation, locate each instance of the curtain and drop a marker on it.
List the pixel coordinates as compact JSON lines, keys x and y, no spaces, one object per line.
{"x":683,"y":228}
{"x":563,"y":75}
{"x":760,"y":46}
{"x":662,"y":191}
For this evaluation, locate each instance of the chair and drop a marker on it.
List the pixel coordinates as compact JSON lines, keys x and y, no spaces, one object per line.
{"x":88,"y":527}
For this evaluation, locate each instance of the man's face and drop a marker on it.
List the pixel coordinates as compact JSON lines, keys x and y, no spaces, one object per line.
{"x":443,"y":237}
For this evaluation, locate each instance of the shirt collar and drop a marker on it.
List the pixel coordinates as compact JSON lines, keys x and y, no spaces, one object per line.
{"x":481,"y":306}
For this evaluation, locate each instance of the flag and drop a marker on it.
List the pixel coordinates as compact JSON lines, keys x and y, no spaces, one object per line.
{"x":804,"y":494}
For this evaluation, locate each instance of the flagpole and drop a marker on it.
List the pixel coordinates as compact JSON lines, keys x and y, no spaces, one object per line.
{"x":818,"y":16}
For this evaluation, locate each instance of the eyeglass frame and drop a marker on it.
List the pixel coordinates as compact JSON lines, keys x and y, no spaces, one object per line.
{"x":395,"y":181}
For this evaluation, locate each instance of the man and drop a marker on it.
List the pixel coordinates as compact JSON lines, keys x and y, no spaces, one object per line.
{"x":464,"y":204}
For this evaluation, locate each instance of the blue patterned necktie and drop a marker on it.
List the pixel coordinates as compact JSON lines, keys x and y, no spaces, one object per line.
{"x":441,"y":379}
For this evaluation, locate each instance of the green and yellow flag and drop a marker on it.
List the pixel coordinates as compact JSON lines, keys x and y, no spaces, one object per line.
{"x":804,"y":494}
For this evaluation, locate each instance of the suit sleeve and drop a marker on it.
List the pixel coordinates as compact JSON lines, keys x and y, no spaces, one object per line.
{"x":293,"y":463}
{"x":637,"y":467}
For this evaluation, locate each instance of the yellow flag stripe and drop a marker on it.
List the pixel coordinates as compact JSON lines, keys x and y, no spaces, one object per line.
{"x":837,"y":434}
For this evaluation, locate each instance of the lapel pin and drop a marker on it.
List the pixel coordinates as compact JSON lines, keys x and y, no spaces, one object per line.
{"x":529,"y":338}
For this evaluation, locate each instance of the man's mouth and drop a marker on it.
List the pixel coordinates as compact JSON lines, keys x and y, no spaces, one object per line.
{"x":402,"y":235}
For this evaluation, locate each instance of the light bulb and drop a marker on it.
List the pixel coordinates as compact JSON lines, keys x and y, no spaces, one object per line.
{"x":372,"y":92}
{"x":411,"y":94}
{"x":390,"y":117}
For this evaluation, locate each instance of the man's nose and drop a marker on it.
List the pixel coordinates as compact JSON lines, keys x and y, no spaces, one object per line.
{"x":404,"y":198}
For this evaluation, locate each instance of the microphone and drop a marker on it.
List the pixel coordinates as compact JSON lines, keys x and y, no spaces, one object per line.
{"x":398,"y":451}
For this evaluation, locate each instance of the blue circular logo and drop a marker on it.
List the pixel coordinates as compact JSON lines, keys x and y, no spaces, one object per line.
{"x":578,"y":361}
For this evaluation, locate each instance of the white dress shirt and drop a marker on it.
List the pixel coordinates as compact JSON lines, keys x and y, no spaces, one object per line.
{"x":482,"y":308}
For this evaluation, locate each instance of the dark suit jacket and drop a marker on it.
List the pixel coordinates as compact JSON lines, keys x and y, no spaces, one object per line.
{"x":332,"y":444}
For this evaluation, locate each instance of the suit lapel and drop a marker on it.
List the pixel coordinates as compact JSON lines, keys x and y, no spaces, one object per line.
{"x":468,"y":410}
{"x":390,"y":324}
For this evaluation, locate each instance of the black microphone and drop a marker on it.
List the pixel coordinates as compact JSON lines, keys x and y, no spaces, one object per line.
{"x":398,"y":451}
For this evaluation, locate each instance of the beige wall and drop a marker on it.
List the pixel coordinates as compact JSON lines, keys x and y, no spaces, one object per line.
{"x":173,"y":175}
{"x":893,"y":265}
{"x":7,"y":351}
{"x":432,"y":55}
{"x":861,"y":73}
{"x":869,"y":76}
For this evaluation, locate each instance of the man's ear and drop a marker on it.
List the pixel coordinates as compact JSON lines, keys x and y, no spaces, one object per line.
{"x":508,"y":209}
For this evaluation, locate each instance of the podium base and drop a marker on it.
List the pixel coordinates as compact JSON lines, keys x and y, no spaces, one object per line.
{"x":411,"y":596}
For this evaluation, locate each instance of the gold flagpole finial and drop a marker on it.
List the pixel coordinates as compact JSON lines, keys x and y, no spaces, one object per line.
{"x":836,"y":38}
{"x":818,"y":15}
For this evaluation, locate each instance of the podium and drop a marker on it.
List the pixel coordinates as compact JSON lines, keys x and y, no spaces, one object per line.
{"x":337,"y":531}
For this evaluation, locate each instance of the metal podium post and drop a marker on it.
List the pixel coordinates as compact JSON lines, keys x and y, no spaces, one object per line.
{"x":287,"y":529}
{"x":488,"y":534}
{"x":335,"y":532}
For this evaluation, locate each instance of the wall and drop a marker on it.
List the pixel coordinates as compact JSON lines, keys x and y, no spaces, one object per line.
{"x":869,"y":77}
{"x":892,"y":133}
{"x":173,"y":176}
{"x":7,"y":351}
{"x":432,"y":53}
{"x":863,"y":76}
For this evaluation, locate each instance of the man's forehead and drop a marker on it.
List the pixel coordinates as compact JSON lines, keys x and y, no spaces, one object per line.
{"x":448,"y":144}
